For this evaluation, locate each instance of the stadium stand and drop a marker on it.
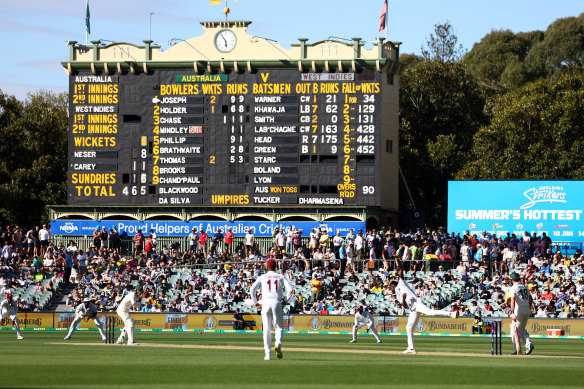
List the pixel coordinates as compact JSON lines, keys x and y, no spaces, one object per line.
{"x":447,"y":271}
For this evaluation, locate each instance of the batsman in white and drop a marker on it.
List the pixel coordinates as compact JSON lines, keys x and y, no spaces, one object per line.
{"x":364,"y":318}
{"x":85,"y":311}
{"x":521,"y":305}
{"x":416,"y":306}
{"x":272,"y":312}
{"x":123,"y":312}
{"x":8,"y":307}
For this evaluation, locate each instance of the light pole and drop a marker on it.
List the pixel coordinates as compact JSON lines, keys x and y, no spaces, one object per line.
{"x":151,"y":13}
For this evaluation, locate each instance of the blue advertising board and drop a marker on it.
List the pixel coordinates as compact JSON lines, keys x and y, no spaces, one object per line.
{"x":501,"y":207}
{"x":180,"y":228}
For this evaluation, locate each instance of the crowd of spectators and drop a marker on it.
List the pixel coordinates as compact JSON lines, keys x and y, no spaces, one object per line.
{"x":331,"y":273}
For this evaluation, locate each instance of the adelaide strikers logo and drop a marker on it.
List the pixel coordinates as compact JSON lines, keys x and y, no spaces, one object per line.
{"x":210,"y":322}
{"x":544,"y":194}
{"x":315,"y":324}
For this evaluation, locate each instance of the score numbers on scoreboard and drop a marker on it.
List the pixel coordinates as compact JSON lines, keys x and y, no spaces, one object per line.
{"x":275,"y":137}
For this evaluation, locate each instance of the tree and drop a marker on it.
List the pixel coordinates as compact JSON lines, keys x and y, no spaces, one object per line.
{"x":535,"y":133}
{"x":498,"y":60}
{"x":561,"y":50}
{"x":442,"y":44}
{"x":441,"y":107}
{"x":33,"y":169}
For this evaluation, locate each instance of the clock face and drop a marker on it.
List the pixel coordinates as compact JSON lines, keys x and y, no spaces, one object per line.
{"x":225,"y":41}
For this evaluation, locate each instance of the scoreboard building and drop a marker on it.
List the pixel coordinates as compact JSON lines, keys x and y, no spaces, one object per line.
{"x":228,"y":126}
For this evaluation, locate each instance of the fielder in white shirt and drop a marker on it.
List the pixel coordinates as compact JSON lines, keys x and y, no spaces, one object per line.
{"x":272,"y":285}
{"x":123,"y":312}
{"x":8,"y":307}
{"x":86,"y":310}
{"x":416,"y":306}
{"x":521,"y":305}
{"x":364,"y":318}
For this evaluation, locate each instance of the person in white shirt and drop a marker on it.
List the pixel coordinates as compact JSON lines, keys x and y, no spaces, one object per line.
{"x":271,"y":285}
{"x":86,"y":310}
{"x":44,"y":238}
{"x":289,"y":241}
{"x":359,"y":245}
{"x":249,"y":242}
{"x":364,"y":318}
{"x":409,"y":300}
{"x":521,"y":305}
{"x":123,"y":312}
{"x":8,"y":307}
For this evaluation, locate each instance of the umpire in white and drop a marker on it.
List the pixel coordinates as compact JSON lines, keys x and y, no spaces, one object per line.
{"x":364,"y":318}
{"x":85,"y":311}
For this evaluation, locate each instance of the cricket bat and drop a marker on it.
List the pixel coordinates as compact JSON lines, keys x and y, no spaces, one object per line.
{"x":516,"y":335}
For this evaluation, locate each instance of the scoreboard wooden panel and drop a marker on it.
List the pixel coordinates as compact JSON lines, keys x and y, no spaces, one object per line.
{"x":272,"y":137}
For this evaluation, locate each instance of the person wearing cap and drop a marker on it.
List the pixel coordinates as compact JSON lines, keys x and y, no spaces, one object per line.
{"x":85,"y":311}
{"x":521,"y":304}
{"x":123,"y":312}
{"x":9,"y":307}
{"x":363,"y":318}
{"x":272,"y":285}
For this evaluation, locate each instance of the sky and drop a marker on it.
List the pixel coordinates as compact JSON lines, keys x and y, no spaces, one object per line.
{"x":35,"y":32}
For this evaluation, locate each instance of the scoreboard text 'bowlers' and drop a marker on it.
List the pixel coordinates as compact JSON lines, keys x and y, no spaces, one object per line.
{"x":278,"y":136}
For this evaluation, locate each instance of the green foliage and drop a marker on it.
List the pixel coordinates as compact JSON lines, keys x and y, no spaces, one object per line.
{"x":34,"y":156}
{"x":535,"y":133}
{"x":561,"y":50}
{"x":442,"y":44}
{"x":441,"y":108}
{"x":503,"y":60}
{"x":499,"y":58}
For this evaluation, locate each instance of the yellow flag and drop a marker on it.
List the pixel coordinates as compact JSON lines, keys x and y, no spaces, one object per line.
{"x":213,"y":2}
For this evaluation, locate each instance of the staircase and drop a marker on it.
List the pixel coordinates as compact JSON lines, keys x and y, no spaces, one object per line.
{"x":58,"y":304}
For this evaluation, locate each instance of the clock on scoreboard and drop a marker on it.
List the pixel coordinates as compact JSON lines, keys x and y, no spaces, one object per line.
{"x":273,"y":137}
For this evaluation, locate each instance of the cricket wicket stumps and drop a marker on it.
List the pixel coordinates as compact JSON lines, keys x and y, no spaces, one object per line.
{"x":496,"y":335}
{"x":110,"y":328}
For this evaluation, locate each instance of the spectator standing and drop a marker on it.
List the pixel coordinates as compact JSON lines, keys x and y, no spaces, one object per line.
{"x":44,"y":239}
{"x":229,"y":240}
{"x":138,"y":243}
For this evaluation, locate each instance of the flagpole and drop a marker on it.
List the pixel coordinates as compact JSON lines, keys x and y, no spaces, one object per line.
{"x":386,"y":24}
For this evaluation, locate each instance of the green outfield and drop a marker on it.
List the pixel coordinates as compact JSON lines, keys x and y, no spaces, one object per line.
{"x":222,"y":360}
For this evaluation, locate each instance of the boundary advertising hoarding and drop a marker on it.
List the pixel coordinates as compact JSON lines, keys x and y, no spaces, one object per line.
{"x":500,"y":207}
{"x":292,"y":323}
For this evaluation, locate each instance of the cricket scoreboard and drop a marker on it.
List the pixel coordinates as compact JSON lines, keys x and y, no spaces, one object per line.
{"x":269,"y":137}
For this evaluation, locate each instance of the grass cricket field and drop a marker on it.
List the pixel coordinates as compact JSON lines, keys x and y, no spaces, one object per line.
{"x":235,"y":360}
